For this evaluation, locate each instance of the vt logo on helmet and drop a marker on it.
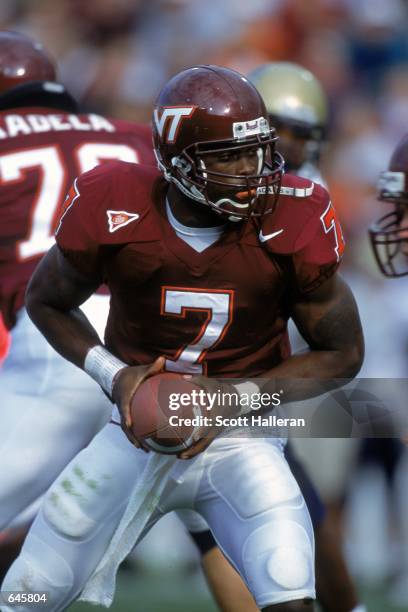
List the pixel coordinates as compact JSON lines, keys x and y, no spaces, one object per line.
{"x":169,"y":122}
{"x":212,"y":139}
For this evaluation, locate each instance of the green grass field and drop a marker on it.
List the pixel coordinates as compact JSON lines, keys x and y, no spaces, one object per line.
{"x":174,"y":592}
{"x":165,"y":592}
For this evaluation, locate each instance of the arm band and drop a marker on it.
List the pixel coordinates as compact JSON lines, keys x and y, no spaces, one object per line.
{"x":249,"y":388}
{"x":102,"y":366}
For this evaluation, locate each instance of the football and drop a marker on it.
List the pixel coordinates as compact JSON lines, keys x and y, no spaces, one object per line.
{"x":164,"y":414}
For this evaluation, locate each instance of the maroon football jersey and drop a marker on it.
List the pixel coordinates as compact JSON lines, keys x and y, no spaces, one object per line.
{"x":221,"y":312}
{"x":41,"y":152}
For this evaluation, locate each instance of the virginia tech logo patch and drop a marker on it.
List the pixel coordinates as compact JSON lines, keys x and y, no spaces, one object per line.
{"x":119,"y":218}
{"x":169,"y":122}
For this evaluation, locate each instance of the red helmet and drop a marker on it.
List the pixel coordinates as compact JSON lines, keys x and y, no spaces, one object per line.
{"x":21,"y":60}
{"x":209,"y":110}
{"x":389,"y":236}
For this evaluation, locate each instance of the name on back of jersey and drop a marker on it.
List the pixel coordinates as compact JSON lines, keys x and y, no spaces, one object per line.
{"x":12,"y":125}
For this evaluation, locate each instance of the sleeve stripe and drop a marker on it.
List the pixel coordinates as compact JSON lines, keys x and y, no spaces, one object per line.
{"x":66,"y":206}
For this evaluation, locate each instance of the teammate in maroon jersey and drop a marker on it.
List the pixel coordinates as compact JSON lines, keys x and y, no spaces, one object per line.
{"x":44,"y":144}
{"x":204,"y":269}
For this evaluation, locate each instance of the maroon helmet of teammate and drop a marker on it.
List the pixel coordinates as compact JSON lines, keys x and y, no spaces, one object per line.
{"x":208,"y":111}
{"x":389,"y":236}
{"x":28,"y":74}
{"x":23,"y":59}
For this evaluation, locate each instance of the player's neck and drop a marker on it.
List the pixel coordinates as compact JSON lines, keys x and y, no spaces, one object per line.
{"x":191,"y":213}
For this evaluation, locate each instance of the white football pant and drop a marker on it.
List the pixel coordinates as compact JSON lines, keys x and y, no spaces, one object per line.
{"x":243,"y":488}
{"x":50,"y":410}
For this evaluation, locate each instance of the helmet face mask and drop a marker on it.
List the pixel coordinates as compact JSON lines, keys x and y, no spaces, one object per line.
{"x":221,"y":151}
{"x":389,"y":235}
{"x":241,"y":195}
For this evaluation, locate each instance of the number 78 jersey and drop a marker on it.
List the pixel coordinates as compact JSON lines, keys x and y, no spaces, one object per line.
{"x":220,"y":312}
{"x":41,"y":152}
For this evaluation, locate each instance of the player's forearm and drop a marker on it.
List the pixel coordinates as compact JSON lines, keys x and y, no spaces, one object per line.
{"x":329,"y":321}
{"x":312,"y":373}
{"x":324,"y":364}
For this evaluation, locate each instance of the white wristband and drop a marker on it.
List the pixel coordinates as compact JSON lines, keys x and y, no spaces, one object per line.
{"x":248,"y":388}
{"x":102,"y":366}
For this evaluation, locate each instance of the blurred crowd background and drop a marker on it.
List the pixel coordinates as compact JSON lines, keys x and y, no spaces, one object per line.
{"x":115,"y":55}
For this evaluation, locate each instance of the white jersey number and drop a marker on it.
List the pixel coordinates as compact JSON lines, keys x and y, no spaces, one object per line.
{"x":53,"y":184}
{"x":219,"y":307}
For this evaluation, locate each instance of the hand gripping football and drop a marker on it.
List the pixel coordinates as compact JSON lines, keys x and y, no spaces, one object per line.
{"x":165,"y":416}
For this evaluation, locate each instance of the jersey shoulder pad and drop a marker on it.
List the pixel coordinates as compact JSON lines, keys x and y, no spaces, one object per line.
{"x":127,"y":214}
{"x":305,"y":227}
{"x":296,"y":219}
{"x":111,"y":204}
{"x":297,"y":187}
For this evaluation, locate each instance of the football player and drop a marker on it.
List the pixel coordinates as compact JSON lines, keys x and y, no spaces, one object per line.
{"x":298,"y":108}
{"x":44,"y":143}
{"x":36,"y":143}
{"x":389,"y":236}
{"x":218,"y":251}
{"x":389,"y":240}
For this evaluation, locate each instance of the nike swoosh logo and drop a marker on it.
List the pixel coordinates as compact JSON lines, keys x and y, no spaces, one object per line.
{"x":263,"y":238}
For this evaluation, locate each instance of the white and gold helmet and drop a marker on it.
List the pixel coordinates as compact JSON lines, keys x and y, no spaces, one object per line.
{"x":297,"y":105}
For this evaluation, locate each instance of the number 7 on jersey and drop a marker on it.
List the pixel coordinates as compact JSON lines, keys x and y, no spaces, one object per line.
{"x":177,"y":302}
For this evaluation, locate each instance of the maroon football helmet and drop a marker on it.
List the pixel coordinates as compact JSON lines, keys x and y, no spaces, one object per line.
{"x":389,"y":236}
{"x":22,"y":60}
{"x":208,"y":111}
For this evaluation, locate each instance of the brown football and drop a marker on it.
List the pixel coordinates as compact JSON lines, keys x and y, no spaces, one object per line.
{"x":155,"y":419}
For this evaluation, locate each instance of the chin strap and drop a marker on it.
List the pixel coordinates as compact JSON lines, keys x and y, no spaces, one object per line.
{"x":192,"y":191}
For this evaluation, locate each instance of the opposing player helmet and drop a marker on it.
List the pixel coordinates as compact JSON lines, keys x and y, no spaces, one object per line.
{"x":21,"y":60}
{"x":389,"y":235}
{"x":209,"y":111}
{"x":294,"y":99}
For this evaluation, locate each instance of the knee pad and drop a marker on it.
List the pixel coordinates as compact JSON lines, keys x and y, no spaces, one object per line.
{"x":278,"y":558}
{"x":65,"y":506}
{"x":40,"y":568}
{"x":258,"y":482}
